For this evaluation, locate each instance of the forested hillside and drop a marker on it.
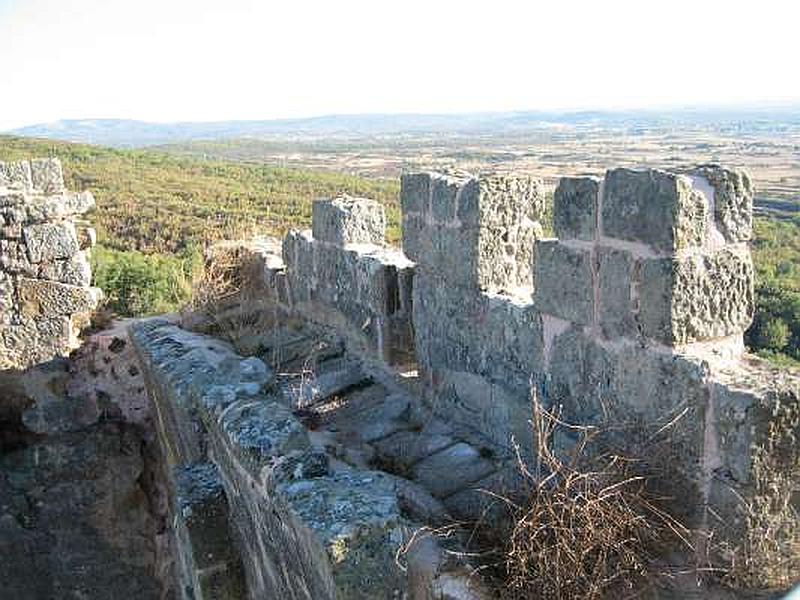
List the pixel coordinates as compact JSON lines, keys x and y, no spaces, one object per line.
{"x":155,"y":202}
{"x":776,"y":330}
{"x":155,"y":212}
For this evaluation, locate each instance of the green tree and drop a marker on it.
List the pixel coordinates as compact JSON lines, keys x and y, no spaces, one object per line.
{"x":773,"y":335}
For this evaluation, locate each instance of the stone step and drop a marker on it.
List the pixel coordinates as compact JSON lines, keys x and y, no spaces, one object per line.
{"x":452,"y":469}
{"x":368,"y":414}
{"x":404,"y":449}
{"x":289,"y":349}
{"x":313,"y":385}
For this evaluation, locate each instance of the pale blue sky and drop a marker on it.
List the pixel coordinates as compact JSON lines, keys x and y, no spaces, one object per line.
{"x":168,"y":60}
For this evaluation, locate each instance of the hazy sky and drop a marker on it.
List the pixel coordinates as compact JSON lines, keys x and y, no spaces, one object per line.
{"x":166,"y":60}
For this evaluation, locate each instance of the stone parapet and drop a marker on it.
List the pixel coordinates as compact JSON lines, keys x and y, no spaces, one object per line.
{"x":633,"y":321}
{"x":476,"y":232}
{"x":651,"y":254}
{"x":345,"y":220}
{"x":347,"y":279}
{"x":45,"y":277}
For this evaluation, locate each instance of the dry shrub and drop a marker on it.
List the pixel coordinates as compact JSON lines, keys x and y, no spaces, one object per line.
{"x":589,"y":528}
{"x":217,"y":283}
{"x":225,"y":298}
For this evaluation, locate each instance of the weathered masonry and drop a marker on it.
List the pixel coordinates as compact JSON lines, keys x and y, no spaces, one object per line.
{"x":369,"y":392}
{"x":45,"y":293}
{"x":632,"y":316}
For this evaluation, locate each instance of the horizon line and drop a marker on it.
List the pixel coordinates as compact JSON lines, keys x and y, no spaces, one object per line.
{"x":793,"y":103}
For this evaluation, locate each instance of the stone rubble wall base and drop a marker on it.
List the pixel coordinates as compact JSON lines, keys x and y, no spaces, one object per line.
{"x":45,"y":278}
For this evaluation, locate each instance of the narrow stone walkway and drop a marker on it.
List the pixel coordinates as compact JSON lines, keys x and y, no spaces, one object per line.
{"x":380,"y":425}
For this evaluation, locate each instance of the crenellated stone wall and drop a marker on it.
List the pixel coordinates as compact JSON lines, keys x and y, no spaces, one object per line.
{"x":631,"y":318}
{"x":45,"y":278}
{"x":392,"y":388}
{"x":343,"y":275}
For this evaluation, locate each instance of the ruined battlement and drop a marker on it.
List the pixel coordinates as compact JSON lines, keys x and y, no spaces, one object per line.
{"x":45,"y":293}
{"x":631,"y":318}
{"x":370,"y":393}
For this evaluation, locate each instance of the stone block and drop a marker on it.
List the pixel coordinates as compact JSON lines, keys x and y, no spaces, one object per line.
{"x":50,"y":241}
{"x":11,"y":232}
{"x":74,"y":271}
{"x":485,"y":500}
{"x":48,"y":298}
{"x":347,"y":220}
{"x":754,"y":466}
{"x":406,"y":448}
{"x":376,"y":284}
{"x":575,"y":205}
{"x":452,"y":469}
{"x":732,"y":201}
{"x":449,"y":323}
{"x":497,"y":337}
{"x":617,"y":307}
{"x":7,"y":298}
{"x":507,"y":207}
{"x":417,"y":238}
{"x":415,"y":193}
{"x":445,"y":194}
{"x":493,"y":415}
{"x":14,"y":258}
{"x":58,"y":206}
{"x":455,"y":256}
{"x":500,"y":200}
{"x":10,"y":199}
{"x":476,"y":232}
{"x":652,"y":207}
{"x":16,"y":175}
{"x":512,"y":345}
{"x":34,"y":341}
{"x":334,"y":273}
{"x":257,"y":431}
{"x":646,"y":403}
{"x":202,"y":510}
{"x":298,"y":254}
{"x":354,"y":519}
{"x":698,"y":296}
{"x":47,"y":176}
{"x":563,"y":281}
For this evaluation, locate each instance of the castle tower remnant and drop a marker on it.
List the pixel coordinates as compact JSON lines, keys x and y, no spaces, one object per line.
{"x":45,"y":293}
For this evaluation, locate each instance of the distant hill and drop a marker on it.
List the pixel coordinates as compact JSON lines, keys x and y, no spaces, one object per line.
{"x":118,"y":132}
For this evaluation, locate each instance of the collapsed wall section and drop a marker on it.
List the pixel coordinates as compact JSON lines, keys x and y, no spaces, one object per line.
{"x":45,"y":293}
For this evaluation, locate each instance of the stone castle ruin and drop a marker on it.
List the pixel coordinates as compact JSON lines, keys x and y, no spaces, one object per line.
{"x":45,"y":296}
{"x":364,"y":393}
